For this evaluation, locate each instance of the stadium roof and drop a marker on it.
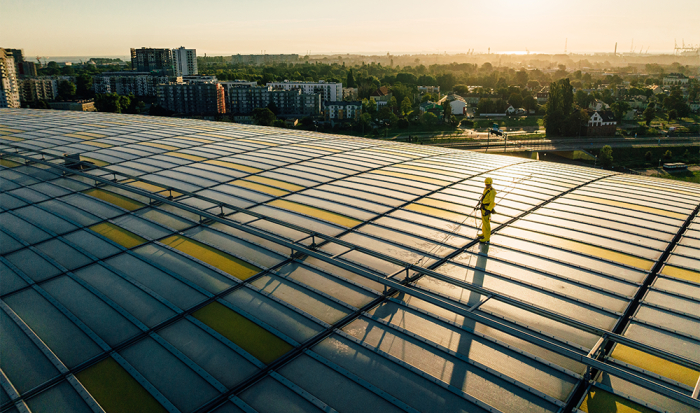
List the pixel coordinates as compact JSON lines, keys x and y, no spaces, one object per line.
{"x":204,"y":266}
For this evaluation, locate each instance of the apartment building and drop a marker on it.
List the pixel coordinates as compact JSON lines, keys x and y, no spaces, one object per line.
{"x":197,"y":98}
{"x":330,"y":92}
{"x":289,"y":103}
{"x":124,"y":83}
{"x":148,"y":59}
{"x":185,"y":61}
{"x":9,"y":88}
{"x":343,"y":111}
{"x":32,"y":89}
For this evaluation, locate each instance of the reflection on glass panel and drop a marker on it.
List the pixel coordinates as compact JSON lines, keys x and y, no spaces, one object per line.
{"x":307,"y":301}
{"x":21,"y":228}
{"x":116,"y":390}
{"x":63,"y":337}
{"x":114,"y":199}
{"x":169,"y":375}
{"x":421,"y":394}
{"x":478,"y":383}
{"x":66,"y":256}
{"x":134,"y":300}
{"x":505,"y":361}
{"x":655,"y":364}
{"x":269,"y":395}
{"x":344,"y":291}
{"x":117,"y":234}
{"x":162,"y":283}
{"x":59,"y":399}
{"x":212,"y":256}
{"x":32,"y":264}
{"x":21,"y":360}
{"x":199,"y":274}
{"x":105,"y":321}
{"x":252,"y":338}
{"x":333,"y":388}
{"x":600,"y":400}
{"x":274,"y":314}
{"x":137,"y":225}
{"x":91,"y":243}
{"x":219,"y":360}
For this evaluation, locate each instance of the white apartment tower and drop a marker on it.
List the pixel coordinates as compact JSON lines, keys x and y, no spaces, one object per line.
{"x":9,"y":88}
{"x":185,"y":61}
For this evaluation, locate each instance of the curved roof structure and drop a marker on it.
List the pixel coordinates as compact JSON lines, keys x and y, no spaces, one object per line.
{"x":194,"y":266}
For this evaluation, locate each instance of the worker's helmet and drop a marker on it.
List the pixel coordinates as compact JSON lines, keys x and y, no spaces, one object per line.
{"x":488,"y":181}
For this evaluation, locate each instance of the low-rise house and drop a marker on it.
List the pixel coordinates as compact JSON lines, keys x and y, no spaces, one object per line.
{"x":601,"y":123}
{"x":433,"y":90}
{"x":598,"y":104}
{"x":458,"y":105}
{"x":637,"y":102}
{"x":382,"y":96}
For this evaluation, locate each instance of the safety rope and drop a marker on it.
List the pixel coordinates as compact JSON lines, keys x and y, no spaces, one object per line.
{"x":473,"y":211}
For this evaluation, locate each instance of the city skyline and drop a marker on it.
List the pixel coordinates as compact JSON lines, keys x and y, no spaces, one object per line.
{"x":79,"y":28}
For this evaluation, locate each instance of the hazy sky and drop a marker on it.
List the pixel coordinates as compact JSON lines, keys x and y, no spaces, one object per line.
{"x":101,"y":27}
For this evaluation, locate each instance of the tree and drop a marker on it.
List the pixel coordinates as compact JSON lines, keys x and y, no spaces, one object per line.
{"x":112,"y":102}
{"x":350,"y":82}
{"x":647,"y":156}
{"x":533,"y":84}
{"x":66,"y":89}
{"x":521,"y":78}
{"x":668,"y":155}
{"x":561,"y":117}
{"x":273,"y":108}
{"x":263,"y":116}
{"x":672,"y":114}
{"x":516,"y":100}
{"x":406,"y":105}
{"x":429,"y":118}
{"x":446,"y":110}
{"x":605,"y":156}
{"x":279,"y":123}
{"x":369,"y":106}
{"x":649,"y":114}
{"x":83,"y":83}
{"x":619,"y":109}
{"x":686,"y":155}
{"x":461,"y":90}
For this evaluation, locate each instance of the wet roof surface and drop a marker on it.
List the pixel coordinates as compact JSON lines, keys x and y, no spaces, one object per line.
{"x":206,"y":266}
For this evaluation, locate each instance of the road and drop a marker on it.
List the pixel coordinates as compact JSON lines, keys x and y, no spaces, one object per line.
{"x":567,"y":144}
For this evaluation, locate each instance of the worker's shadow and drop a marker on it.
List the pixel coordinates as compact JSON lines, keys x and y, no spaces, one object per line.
{"x":482,"y":258}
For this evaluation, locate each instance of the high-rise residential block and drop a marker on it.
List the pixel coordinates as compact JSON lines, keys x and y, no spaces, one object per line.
{"x":40,"y":88}
{"x":329,"y":91}
{"x":288,"y":103}
{"x":185,"y":61}
{"x":9,"y":88}
{"x":149,"y":60}
{"x":196,"y":98}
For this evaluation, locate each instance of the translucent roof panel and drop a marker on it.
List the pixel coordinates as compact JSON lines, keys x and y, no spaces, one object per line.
{"x":197,"y":266}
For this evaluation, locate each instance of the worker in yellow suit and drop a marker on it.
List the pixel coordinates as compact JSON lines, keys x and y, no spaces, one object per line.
{"x":486,"y":204}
